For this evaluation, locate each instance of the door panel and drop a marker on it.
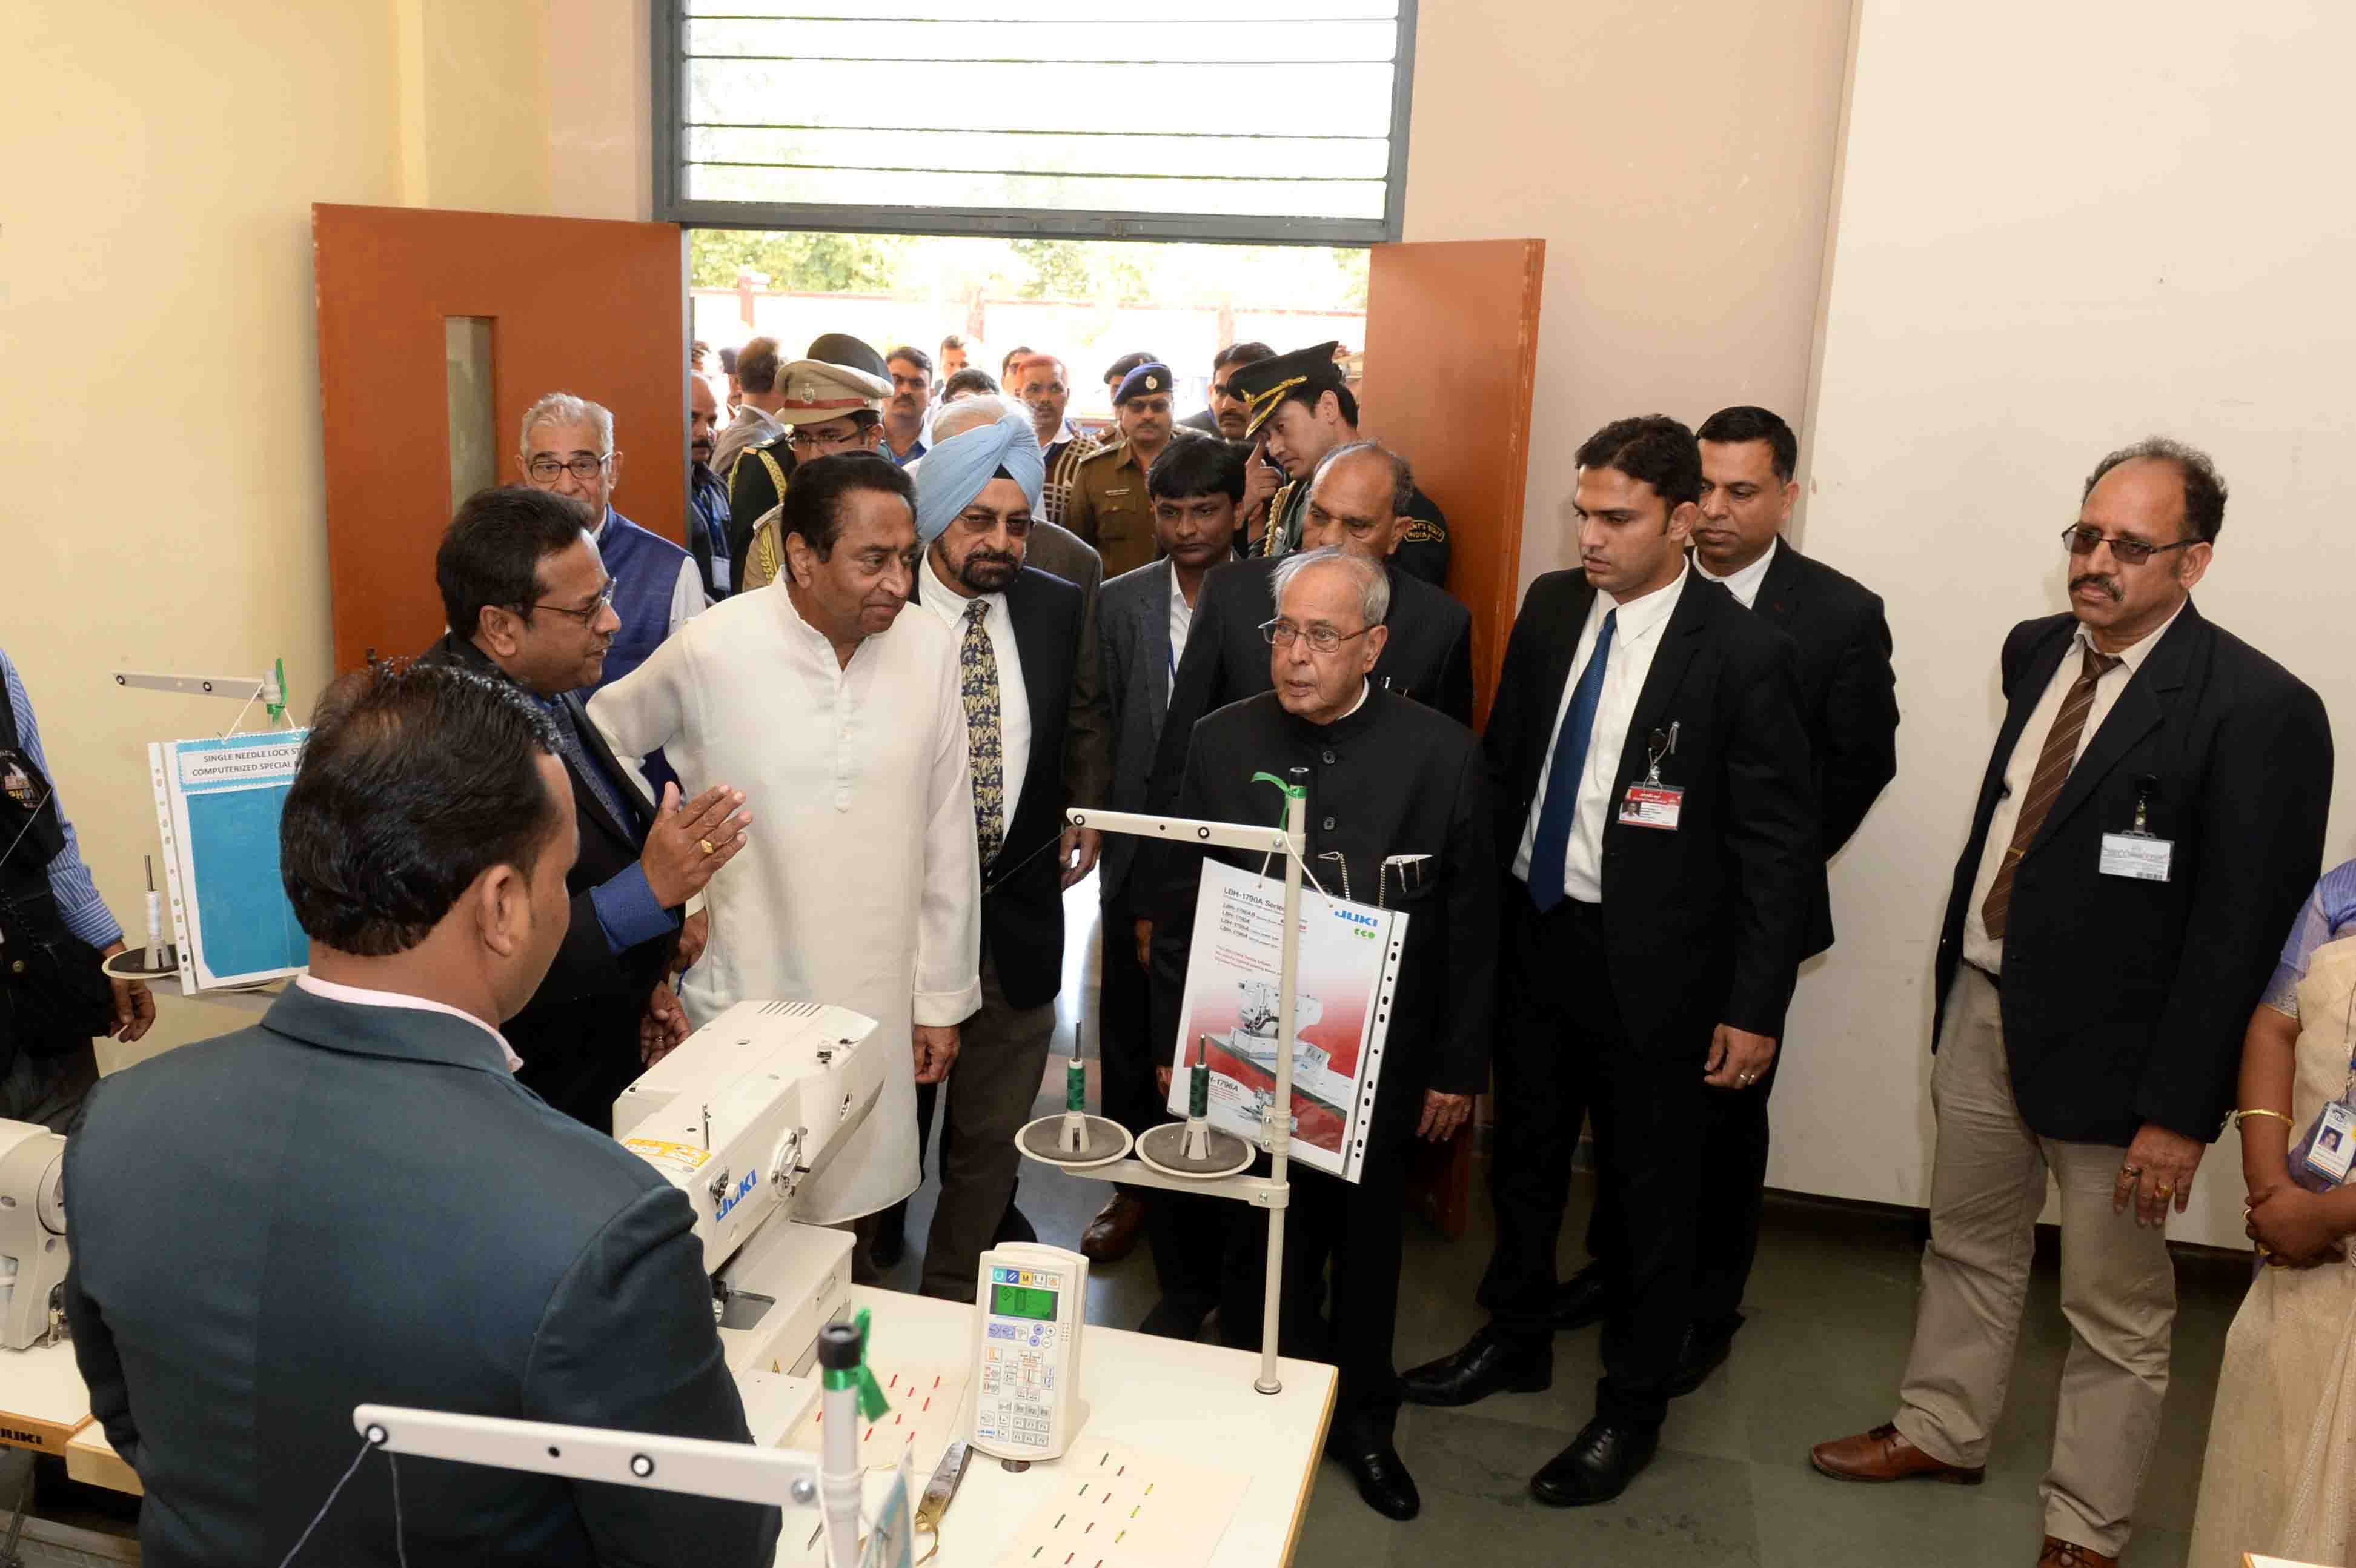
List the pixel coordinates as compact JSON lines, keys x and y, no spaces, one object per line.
{"x":1452,"y":361}
{"x":407,"y":298}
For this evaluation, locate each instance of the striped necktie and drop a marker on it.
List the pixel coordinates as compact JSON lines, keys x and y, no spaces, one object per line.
{"x":2053,"y":765}
{"x":978,"y":665}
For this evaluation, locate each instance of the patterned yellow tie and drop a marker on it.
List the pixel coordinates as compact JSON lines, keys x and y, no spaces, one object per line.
{"x":979,"y":671}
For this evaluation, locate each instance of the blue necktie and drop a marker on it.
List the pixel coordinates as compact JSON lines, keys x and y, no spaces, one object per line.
{"x":1552,"y":849}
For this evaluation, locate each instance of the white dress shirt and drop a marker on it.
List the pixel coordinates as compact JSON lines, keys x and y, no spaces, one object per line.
{"x":1635,"y":637}
{"x":1980,"y":950}
{"x":1013,"y":697}
{"x":1744,"y":583}
{"x":362,"y":996}
{"x":1182,"y":621}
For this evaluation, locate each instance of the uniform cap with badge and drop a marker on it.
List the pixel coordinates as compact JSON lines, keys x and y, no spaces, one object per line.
{"x":819,"y":390}
{"x":1142,"y":381}
{"x":1264,"y":384}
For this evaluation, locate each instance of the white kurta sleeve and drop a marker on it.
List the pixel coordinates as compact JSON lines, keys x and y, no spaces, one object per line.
{"x":688,"y":599}
{"x":644,"y":710}
{"x":949,"y":919}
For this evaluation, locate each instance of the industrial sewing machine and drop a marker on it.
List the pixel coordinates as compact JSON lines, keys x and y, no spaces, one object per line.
{"x":739,"y":1117}
{"x":32,"y":1235}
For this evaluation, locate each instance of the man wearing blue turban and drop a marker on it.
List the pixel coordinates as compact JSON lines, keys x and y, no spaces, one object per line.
{"x":1028,"y":719}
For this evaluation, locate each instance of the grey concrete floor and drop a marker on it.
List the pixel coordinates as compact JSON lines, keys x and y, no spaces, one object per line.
{"x":1830,"y":1313}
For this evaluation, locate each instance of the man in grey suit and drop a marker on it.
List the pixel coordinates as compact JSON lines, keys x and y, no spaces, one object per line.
{"x":355,"y":1201}
{"x":1195,"y":486}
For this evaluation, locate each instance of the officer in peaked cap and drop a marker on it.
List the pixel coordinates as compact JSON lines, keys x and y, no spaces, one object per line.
{"x":1301,"y":409}
{"x":1108,"y":506}
{"x":833,"y":402}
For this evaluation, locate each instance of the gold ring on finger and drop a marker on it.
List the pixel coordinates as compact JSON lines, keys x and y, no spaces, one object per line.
{"x":2165,"y":1190}
{"x":705,"y":845}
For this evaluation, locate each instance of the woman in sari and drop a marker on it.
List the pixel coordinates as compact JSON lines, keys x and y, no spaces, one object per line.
{"x":2280,"y":1478}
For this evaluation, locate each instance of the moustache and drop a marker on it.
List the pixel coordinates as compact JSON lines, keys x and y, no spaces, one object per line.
{"x":2107,"y":587}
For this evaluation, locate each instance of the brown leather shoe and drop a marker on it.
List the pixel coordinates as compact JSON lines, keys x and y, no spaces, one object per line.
{"x":1882,"y":1455}
{"x":2061,"y":1554}
{"x":1112,"y":1234}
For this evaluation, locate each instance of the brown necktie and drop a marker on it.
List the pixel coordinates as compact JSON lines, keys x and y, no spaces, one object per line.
{"x":2053,"y":771}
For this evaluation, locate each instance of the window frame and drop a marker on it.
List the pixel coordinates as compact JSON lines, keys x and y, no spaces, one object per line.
{"x":672,"y":206}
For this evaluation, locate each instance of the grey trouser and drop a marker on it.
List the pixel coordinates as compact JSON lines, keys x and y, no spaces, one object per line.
{"x":1001,"y":1055}
{"x":2118,"y":1289}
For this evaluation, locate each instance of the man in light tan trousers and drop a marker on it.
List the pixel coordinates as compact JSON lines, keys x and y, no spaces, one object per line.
{"x":2151,"y":816}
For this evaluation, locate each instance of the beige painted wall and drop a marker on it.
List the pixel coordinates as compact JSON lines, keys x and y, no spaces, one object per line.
{"x":159,"y":425}
{"x":1677,"y":161}
{"x":2131,"y":245}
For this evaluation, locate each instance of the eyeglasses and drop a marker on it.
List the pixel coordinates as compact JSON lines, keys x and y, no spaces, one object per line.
{"x":588,"y":617}
{"x":806,"y":436}
{"x":1281,"y":633}
{"x":2082,"y":540}
{"x":582,"y":467}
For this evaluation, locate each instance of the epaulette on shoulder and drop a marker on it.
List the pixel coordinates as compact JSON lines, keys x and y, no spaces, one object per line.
{"x":1110,"y":449}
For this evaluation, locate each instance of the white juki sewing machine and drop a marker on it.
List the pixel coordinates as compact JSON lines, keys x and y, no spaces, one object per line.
{"x":739,"y":1117}
{"x":32,"y":1234}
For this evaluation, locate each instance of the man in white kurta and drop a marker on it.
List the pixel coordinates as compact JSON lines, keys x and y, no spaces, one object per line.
{"x":860,"y":885}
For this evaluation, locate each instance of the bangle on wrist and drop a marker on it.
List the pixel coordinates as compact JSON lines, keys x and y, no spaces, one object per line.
{"x":2242,"y":1116}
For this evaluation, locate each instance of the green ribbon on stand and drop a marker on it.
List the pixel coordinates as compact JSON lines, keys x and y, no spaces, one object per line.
{"x":873,"y":1405}
{"x":1294,"y":790}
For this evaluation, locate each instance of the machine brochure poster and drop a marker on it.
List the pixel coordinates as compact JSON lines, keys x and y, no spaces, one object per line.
{"x":1347,"y":968}
{"x":217,"y":805}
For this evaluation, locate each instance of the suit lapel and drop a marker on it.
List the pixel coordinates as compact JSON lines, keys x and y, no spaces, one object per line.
{"x":592,"y":745}
{"x":1679,"y":641}
{"x":1037,"y":656}
{"x":2138,"y":710}
{"x":1156,"y":654}
{"x":1781,"y":589}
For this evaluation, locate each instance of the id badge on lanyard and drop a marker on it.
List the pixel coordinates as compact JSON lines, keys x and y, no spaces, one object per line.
{"x":2319,"y":1160}
{"x":1653,"y":804}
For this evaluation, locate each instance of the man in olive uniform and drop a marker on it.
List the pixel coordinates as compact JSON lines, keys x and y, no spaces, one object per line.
{"x":1108,"y":506}
{"x":1301,"y":409}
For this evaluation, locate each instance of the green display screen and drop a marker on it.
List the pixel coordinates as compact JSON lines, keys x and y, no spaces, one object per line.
{"x":1015,"y":1301}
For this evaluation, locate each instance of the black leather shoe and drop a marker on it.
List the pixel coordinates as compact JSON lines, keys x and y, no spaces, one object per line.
{"x":1596,"y":1466}
{"x":891,"y":1241}
{"x":1578,"y":1300}
{"x":1700,"y":1353}
{"x":1485,"y":1366}
{"x":1381,"y":1476}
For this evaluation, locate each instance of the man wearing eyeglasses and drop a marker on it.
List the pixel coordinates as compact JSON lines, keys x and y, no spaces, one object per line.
{"x":529,"y":601}
{"x":833,"y":405}
{"x":1398,"y":814}
{"x":2151,"y":816}
{"x":567,"y":449}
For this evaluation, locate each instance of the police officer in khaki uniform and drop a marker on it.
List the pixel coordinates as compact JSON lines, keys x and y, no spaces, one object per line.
{"x":832,"y":408}
{"x":1108,"y":506}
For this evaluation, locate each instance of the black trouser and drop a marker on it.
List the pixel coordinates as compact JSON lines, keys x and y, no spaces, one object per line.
{"x":1563,"y":1055}
{"x":1355,"y":1226}
{"x":1188,"y":1234}
{"x":1726,"y":1225}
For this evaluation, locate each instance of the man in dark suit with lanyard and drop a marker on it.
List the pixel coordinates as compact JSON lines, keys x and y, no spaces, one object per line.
{"x":2152,"y":814}
{"x":1848,"y":701}
{"x":1018,"y":631}
{"x":1657,"y":801}
{"x":522,"y":579}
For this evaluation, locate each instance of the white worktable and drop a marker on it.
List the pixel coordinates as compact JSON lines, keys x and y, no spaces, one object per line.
{"x":1194,"y":1402}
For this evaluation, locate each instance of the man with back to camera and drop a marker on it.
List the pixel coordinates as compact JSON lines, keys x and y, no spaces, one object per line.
{"x":1143,"y":620}
{"x":516,"y":570}
{"x":1400,"y":816}
{"x":1848,"y":701}
{"x":753,"y":383}
{"x":1108,"y":507}
{"x":1301,"y":409}
{"x":2152,"y":815}
{"x":567,"y":449}
{"x":354,"y":1201}
{"x":1657,"y":809}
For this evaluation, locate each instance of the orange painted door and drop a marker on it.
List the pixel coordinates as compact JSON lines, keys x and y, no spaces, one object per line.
{"x":436,"y":331}
{"x":1452,"y":361}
